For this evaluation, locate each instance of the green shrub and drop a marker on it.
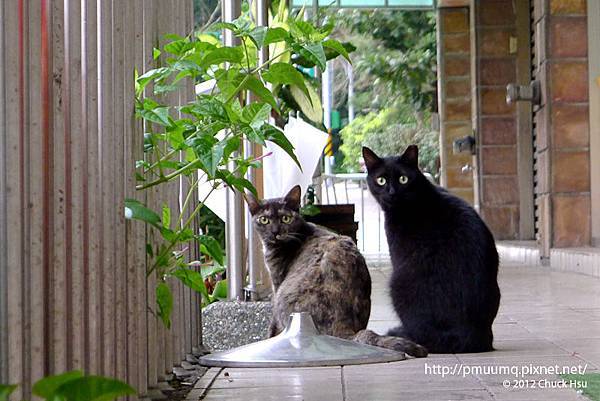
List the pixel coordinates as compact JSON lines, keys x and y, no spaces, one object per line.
{"x":388,"y":133}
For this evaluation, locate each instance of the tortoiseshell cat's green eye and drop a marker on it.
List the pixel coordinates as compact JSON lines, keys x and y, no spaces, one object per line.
{"x":380,"y":181}
{"x":263,"y":220}
{"x":403,"y":179}
{"x":285,"y":219}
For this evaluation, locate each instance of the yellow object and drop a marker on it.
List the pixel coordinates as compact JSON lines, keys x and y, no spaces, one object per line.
{"x":329,"y":147}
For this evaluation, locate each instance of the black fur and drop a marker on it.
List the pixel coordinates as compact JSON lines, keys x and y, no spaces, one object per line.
{"x":444,"y":283}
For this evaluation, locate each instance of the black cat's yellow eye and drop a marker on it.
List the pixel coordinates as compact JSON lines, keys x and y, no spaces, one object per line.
{"x":380,"y":181}
{"x":403,"y":179}
{"x":285,"y":219}
{"x":263,"y":220}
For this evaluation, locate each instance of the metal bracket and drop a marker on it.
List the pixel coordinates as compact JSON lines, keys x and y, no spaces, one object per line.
{"x":528,"y":93}
{"x":465,"y":144}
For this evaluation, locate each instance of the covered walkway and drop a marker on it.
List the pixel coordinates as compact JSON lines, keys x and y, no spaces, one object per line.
{"x":546,"y":319}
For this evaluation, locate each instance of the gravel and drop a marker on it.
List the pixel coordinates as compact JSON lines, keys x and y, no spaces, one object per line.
{"x":226,"y":325}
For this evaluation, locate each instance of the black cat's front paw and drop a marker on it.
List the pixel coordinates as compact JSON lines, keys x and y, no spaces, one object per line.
{"x":407,"y":346}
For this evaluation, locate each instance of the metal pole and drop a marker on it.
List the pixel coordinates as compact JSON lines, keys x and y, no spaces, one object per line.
{"x":262,"y":19}
{"x":350,"y":93}
{"x":234,"y":227}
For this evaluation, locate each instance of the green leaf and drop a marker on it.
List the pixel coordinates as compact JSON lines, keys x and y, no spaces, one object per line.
{"x":255,"y":85}
{"x":223,"y":25}
{"x":275,"y":35}
{"x":284,"y":73}
{"x":255,"y":114}
{"x":242,"y":184}
{"x":309,"y":210}
{"x":210,"y":246}
{"x":47,"y":387}
{"x":192,"y":279}
{"x":313,"y":52}
{"x":223,"y":55}
{"x":254,"y":136}
{"x":233,"y":144}
{"x":93,"y":388}
{"x":141,"y":212}
{"x":338,"y":47}
{"x":179,"y":47}
{"x":277,"y":136}
{"x":301,"y":29}
{"x":229,"y":82}
{"x":154,"y":112}
{"x":210,"y":106}
{"x":166,"y":215}
{"x":212,"y":159}
{"x":220,"y":291}
{"x":149,"y":250}
{"x":257,"y":35}
{"x":210,"y":271}
{"x":155,"y":53}
{"x":6,"y":390}
{"x":309,"y":106}
{"x":164,"y":299}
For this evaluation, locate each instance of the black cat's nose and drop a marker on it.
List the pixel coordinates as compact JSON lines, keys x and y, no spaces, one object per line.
{"x":391,"y":190}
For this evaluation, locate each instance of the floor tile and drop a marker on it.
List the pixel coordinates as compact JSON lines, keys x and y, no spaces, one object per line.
{"x":546,"y":318}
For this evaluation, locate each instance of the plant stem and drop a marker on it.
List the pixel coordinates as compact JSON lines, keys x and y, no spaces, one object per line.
{"x":260,"y":67}
{"x":186,"y":225}
{"x":187,"y":199}
{"x":168,"y":177}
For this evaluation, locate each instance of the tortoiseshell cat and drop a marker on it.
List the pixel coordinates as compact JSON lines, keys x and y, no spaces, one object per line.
{"x":444,"y":282}
{"x":317,"y":271}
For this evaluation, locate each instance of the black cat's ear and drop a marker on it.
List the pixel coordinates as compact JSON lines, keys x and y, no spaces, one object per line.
{"x":253,"y":203}
{"x":411,"y":156}
{"x":371,"y":159}
{"x":292,"y":199}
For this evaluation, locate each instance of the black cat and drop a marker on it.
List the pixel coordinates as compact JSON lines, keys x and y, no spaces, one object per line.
{"x":445,"y":265}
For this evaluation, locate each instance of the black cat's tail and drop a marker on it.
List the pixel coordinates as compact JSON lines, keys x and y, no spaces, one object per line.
{"x":399,"y":344}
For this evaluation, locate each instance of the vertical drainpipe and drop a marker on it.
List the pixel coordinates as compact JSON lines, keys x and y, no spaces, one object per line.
{"x":234,"y":226}
{"x":262,"y":19}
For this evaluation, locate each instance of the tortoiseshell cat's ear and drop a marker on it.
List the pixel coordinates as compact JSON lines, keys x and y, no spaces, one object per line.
{"x":253,"y":203}
{"x":292,"y":199}
{"x":371,"y":159}
{"x":411,"y":156}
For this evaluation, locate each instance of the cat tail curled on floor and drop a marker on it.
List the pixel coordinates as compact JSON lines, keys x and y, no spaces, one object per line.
{"x":399,"y":344}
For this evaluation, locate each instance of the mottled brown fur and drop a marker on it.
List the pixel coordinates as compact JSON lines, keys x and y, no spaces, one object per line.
{"x":317,"y":271}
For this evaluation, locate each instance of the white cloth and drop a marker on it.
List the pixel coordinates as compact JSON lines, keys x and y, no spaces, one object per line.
{"x":279,"y":170}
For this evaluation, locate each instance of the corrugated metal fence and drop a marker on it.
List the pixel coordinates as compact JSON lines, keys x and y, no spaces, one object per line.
{"x":73,"y":289}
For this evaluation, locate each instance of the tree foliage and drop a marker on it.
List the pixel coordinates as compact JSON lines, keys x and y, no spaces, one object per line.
{"x":401,"y":55}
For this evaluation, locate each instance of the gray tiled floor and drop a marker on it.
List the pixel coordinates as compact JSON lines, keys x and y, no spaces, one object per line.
{"x":546,"y":318}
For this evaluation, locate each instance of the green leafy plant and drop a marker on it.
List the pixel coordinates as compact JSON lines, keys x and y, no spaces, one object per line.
{"x":74,"y":386}
{"x":200,"y":141}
